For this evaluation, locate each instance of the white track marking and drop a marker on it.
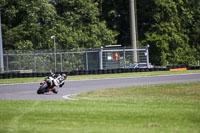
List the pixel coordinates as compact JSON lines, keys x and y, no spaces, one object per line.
{"x":68,"y":97}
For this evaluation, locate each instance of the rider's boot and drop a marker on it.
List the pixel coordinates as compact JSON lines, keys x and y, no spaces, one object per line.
{"x":55,"y":90}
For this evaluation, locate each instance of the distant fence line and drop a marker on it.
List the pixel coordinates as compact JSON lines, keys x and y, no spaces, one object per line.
{"x":66,"y":61}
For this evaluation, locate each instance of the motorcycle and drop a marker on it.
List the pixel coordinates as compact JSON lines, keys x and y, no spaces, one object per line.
{"x":51,"y":83}
{"x":46,"y":86}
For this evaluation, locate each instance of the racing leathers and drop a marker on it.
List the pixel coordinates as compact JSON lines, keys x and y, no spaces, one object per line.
{"x":56,"y":80}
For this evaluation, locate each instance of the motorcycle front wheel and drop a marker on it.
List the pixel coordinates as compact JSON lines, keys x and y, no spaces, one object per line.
{"x":42,"y":88}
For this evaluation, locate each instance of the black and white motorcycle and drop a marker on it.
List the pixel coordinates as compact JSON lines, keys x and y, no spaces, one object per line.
{"x":51,"y":83}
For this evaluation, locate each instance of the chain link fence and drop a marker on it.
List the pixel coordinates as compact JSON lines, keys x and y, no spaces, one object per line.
{"x":66,"y":61}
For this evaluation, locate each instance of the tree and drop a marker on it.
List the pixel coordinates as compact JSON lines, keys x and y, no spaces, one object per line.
{"x":194,"y":26}
{"x":83,"y":27}
{"x":167,"y":34}
{"x":116,"y":14}
{"x":27,"y":21}
{"x":170,"y":27}
{"x":75,"y":23}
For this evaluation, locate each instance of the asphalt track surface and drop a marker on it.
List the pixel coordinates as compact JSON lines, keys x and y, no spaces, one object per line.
{"x":28,"y":91}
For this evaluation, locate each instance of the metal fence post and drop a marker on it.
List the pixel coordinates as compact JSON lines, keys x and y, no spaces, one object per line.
{"x":147,"y":55}
{"x":61,"y":67}
{"x":1,"y":49}
{"x":35,"y":63}
{"x":124,"y":57}
{"x":86,"y":59}
{"x":101,"y":58}
{"x":7,"y":61}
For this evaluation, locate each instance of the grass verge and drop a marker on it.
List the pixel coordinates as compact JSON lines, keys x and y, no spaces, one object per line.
{"x":100,"y":76}
{"x":153,"y":109}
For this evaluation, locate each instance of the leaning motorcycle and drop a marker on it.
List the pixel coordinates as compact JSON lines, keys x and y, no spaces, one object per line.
{"x":46,"y":86}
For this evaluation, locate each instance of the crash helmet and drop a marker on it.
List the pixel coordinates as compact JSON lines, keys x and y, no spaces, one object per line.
{"x":64,"y":76}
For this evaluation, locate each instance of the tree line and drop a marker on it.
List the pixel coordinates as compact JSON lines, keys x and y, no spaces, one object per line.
{"x":170,"y":27}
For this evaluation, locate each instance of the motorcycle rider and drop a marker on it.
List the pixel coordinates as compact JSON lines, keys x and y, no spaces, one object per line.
{"x":56,"y":80}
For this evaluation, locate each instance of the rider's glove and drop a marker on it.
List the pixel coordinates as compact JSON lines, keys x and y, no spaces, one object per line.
{"x":61,"y":84}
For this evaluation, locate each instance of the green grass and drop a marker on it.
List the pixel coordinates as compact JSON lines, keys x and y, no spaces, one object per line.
{"x":100,"y":76}
{"x":170,"y":108}
{"x":20,"y":80}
